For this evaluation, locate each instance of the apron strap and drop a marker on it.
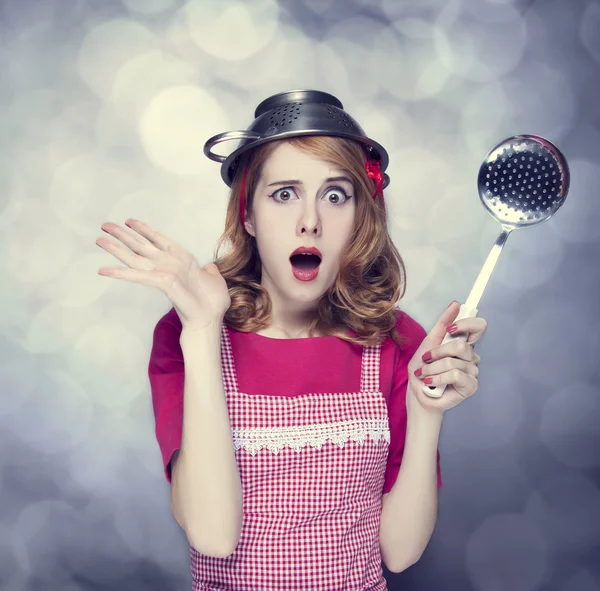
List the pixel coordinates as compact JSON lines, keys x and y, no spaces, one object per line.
{"x":369,"y":375}
{"x":230,"y":383}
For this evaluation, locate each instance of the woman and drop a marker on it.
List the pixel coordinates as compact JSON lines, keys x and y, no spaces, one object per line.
{"x":287,"y":385}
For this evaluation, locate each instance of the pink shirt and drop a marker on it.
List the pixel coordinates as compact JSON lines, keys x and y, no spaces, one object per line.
{"x":293,"y":366}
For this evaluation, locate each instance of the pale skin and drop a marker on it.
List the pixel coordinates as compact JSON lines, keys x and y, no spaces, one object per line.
{"x":311,"y":211}
{"x":409,"y":510}
{"x":315,"y":212}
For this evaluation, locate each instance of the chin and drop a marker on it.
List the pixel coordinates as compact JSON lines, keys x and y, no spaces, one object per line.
{"x":306,"y":291}
{"x":291,"y":289}
{"x":305,"y":298}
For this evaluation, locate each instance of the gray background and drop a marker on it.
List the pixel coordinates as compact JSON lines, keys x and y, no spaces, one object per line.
{"x":105,"y":106}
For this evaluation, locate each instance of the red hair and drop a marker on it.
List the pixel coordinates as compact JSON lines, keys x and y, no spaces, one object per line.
{"x":361,"y":304}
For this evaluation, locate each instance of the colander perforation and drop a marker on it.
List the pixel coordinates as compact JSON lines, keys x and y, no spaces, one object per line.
{"x":285,"y":115}
{"x":340,"y":117}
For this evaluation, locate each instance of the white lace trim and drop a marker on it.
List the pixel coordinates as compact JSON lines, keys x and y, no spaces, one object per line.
{"x":298,"y":437}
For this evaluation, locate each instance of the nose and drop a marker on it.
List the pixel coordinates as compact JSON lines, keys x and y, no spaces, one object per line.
{"x":310,"y":222}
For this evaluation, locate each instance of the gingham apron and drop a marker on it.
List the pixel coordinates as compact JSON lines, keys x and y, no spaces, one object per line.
{"x":312,"y":469}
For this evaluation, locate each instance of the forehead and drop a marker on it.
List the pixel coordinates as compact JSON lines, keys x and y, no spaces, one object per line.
{"x":287,"y":161}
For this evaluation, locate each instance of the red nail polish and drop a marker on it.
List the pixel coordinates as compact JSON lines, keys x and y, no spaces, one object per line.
{"x":426,"y":357}
{"x":451,"y":328}
{"x":418,"y":372}
{"x":428,"y":380}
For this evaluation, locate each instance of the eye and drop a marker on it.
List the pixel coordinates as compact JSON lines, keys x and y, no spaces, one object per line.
{"x":338,"y":194}
{"x":285,"y":194}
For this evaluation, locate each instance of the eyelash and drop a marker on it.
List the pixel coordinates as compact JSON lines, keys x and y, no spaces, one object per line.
{"x":347,"y":197}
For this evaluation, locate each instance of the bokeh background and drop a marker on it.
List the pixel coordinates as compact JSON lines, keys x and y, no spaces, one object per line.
{"x":105,"y":106}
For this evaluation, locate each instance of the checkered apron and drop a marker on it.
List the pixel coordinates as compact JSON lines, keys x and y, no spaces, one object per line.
{"x":312,"y":470}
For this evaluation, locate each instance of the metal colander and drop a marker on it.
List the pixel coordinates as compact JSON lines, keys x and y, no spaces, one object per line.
{"x":290,"y":114}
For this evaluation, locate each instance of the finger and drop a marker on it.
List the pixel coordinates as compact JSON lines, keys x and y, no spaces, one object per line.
{"x":447,"y":364}
{"x":133,"y":242}
{"x":474,"y":327}
{"x":474,"y":337}
{"x":155,"y":237}
{"x":150,"y":278}
{"x":438,"y":332}
{"x":131,"y":259}
{"x":464,"y":383}
{"x":459,"y":348}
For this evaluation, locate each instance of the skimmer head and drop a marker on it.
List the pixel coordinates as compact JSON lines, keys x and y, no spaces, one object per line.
{"x":523,"y":181}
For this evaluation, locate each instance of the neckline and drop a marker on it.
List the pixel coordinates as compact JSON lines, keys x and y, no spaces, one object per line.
{"x":277,"y":340}
{"x":370,"y":360}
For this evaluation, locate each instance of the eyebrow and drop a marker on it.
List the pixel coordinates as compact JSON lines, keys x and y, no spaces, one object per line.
{"x":298,"y":182}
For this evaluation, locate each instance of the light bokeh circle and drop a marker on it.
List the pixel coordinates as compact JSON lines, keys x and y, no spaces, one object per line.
{"x":175,"y":125}
{"x":569,"y":425}
{"x":231,"y":30}
{"x":556,"y":358}
{"x":510,"y":538}
{"x":142,"y":77}
{"x":590,"y":25}
{"x":477,"y":49}
{"x":564,"y":504}
{"x":149,"y":6}
{"x":578,"y":220}
{"x":107,"y":47}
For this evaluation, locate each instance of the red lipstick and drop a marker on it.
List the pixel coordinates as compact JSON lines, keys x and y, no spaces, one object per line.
{"x":305,"y":262}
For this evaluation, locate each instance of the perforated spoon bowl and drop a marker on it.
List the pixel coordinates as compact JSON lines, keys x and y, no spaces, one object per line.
{"x":523,"y":181}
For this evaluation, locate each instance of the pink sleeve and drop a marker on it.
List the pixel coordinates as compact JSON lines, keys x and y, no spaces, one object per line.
{"x":415,"y":334}
{"x":166,"y":374}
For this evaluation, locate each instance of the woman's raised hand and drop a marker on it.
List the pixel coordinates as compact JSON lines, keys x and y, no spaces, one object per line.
{"x":199,"y":294}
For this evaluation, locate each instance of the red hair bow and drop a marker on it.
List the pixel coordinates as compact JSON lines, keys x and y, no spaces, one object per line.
{"x":373,"y":168}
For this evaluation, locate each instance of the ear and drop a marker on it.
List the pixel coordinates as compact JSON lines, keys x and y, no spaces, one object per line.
{"x":249,"y":224}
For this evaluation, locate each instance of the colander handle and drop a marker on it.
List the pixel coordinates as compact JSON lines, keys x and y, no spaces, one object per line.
{"x":464,"y":312}
{"x":225,"y":137}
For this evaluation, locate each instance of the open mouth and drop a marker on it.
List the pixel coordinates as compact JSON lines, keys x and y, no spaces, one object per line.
{"x":305,"y":261}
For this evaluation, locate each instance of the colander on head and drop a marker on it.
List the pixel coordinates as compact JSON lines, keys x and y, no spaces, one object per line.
{"x":523,"y":181}
{"x":291,"y":114}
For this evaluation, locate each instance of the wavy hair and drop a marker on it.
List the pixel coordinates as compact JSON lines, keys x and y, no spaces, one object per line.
{"x":360,"y":305}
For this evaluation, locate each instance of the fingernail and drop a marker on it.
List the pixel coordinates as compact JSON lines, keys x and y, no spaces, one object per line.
{"x":418,"y":372}
{"x":427,"y":357}
{"x":428,"y":380}
{"x":451,"y":328}
{"x":451,"y":303}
